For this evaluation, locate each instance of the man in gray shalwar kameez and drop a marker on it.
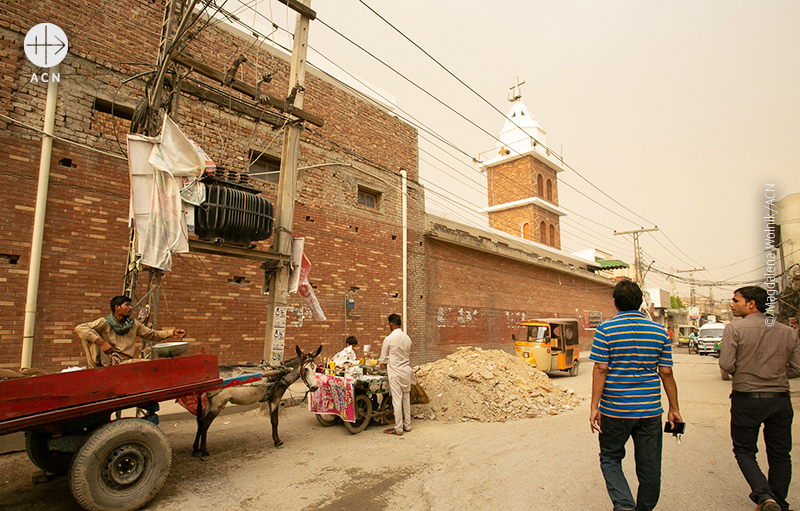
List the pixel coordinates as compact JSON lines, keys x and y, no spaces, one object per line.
{"x":395,"y":358}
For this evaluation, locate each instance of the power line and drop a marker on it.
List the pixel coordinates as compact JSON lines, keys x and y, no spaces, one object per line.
{"x":567,"y":165}
{"x":441,"y":102}
{"x":474,"y":124}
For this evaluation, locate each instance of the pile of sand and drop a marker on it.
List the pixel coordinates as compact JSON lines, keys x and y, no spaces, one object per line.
{"x":488,"y":386}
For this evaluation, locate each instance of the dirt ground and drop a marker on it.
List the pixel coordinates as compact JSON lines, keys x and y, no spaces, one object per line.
{"x":549,"y":462}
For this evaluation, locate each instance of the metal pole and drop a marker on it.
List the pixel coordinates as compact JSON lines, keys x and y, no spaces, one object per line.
{"x":38,"y":221}
{"x":405,"y":249}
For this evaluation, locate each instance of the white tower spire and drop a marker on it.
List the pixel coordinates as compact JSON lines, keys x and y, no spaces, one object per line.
{"x":521,"y":133}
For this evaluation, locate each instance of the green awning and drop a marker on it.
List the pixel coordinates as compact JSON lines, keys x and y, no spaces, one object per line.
{"x":613,"y":264}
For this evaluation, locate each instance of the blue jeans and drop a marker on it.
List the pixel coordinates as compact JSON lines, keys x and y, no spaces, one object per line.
{"x":647,"y":440}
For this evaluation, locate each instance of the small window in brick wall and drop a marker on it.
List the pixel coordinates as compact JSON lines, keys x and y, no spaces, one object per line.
{"x":368,"y":198}
{"x":264,"y":167}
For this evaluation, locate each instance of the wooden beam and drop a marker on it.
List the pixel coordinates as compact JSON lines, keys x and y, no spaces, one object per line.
{"x":253,"y":92}
{"x":207,"y":247}
{"x":234,"y":104}
{"x":305,"y":10}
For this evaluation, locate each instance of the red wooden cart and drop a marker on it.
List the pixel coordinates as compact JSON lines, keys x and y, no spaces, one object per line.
{"x":112,"y":464}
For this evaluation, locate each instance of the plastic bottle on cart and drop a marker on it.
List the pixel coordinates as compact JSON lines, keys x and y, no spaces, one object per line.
{"x":332,"y":367}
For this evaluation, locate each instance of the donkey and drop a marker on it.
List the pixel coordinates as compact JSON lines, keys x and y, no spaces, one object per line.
{"x":301,"y":366}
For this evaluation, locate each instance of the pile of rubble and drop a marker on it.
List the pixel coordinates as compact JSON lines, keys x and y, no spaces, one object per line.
{"x":488,"y":386}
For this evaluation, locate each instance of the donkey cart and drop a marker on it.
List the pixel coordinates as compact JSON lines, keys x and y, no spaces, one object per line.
{"x":116,"y":464}
{"x":356,"y":402}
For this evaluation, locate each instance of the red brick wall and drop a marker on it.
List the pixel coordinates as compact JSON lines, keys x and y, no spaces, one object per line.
{"x":517,"y":180}
{"x":352,"y":248}
{"x":483,"y":298}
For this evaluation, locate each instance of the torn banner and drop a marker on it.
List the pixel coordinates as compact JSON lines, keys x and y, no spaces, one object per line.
{"x":307,"y":292}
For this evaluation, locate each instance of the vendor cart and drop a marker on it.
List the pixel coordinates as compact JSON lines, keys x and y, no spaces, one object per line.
{"x":67,"y":418}
{"x":368,"y":394}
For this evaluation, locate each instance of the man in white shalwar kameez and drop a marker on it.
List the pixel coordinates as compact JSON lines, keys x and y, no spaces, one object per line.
{"x":395,"y":358}
{"x":348,"y":354}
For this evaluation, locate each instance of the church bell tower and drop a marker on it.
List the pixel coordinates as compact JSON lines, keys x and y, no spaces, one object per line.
{"x":522,"y":178}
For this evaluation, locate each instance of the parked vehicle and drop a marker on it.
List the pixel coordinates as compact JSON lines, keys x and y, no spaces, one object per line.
{"x":550,"y":344}
{"x":682,"y":334}
{"x":710,"y":334}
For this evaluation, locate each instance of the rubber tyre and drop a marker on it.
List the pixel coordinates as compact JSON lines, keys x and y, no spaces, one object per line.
{"x":54,"y":462}
{"x":725,"y":376}
{"x":121,"y":466}
{"x":363,"y":407}
{"x":327,"y":419}
{"x":386,"y":410}
{"x":573,"y":371}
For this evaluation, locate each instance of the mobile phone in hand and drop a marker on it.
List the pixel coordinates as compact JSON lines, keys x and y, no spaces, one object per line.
{"x":679,"y":428}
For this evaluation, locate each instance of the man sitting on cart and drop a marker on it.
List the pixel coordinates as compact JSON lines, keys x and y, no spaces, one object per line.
{"x":111,"y":340}
{"x":348,"y":354}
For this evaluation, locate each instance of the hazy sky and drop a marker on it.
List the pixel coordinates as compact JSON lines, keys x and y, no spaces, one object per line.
{"x":681,"y":111}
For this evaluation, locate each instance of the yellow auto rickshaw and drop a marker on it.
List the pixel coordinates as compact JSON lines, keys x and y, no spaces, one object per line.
{"x":550,"y":344}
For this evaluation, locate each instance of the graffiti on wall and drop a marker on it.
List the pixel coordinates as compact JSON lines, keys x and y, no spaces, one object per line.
{"x":299,"y":315}
{"x":514,"y":318}
{"x":446,"y":316}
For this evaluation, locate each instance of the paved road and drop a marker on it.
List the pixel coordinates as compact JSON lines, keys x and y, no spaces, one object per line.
{"x":534,"y":464}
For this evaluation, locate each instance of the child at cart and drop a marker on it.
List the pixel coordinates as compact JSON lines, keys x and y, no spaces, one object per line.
{"x":348,"y":355}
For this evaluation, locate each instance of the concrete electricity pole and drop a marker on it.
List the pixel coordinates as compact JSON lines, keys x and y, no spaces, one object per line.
{"x":637,"y":252}
{"x":692,"y":294}
{"x":284,"y":211}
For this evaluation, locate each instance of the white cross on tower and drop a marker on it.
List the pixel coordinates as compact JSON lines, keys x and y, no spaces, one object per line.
{"x":515,"y":92}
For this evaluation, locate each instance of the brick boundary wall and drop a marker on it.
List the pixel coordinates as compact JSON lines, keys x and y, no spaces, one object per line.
{"x":353,"y":249}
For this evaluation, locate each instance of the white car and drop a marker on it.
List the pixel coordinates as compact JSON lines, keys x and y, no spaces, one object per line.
{"x":710,"y":334}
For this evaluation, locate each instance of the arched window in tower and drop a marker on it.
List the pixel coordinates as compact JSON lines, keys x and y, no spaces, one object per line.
{"x":543,"y":233}
{"x":526,"y":231}
{"x":549,"y":191}
{"x":552,"y":236}
{"x":540,"y":186}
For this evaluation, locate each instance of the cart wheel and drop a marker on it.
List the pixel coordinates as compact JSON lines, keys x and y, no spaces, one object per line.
{"x":573,"y":371}
{"x":363,"y":407}
{"x":121,"y":466}
{"x":386,"y":410}
{"x":55,"y":462}
{"x":327,"y":419}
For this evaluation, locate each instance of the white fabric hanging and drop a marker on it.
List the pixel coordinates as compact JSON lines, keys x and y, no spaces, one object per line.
{"x":157,"y":167}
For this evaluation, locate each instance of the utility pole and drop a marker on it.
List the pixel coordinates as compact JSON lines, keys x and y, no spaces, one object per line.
{"x":673,"y":288}
{"x":637,"y":252}
{"x":284,"y":211}
{"x":167,"y":49}
{"x":692,"y":294}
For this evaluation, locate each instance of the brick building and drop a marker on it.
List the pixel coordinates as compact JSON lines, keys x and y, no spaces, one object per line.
{"x":348,"y":205}
{"x":522,"y":178}
{"x":355,"y":249}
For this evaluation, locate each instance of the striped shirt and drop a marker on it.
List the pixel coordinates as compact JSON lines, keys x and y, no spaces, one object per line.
{"x":633,"y":347}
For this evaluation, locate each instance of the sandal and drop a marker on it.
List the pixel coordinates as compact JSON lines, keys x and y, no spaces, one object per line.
{"x":391,"y":431}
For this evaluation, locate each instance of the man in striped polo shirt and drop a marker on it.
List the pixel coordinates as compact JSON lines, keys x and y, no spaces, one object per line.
{"x":632,"y":357}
